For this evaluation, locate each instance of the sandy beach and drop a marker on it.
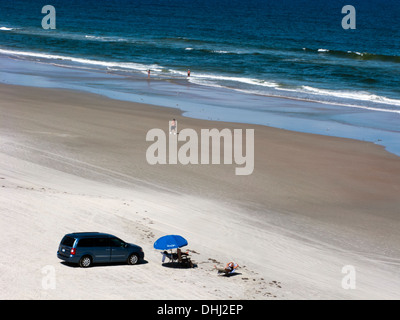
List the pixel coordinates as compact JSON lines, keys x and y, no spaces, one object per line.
{"x":73,"y":161}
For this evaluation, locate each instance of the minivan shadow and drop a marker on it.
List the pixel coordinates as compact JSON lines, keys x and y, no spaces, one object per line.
{"x":110,"y":264}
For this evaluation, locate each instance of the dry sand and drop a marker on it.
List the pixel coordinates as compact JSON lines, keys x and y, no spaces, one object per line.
{"x":73,"y":162}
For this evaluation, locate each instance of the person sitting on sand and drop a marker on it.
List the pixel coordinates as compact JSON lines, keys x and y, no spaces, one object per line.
{"x":229,"y":268}
{"x":180,"y":253}
{"x":170,"y":256}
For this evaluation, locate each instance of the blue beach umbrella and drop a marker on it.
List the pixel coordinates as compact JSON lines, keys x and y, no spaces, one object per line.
{"x":170,"y":242}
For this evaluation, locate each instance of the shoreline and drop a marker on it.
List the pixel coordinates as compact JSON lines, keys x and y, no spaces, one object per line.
{"x":206,"y":102}
{"x":323,"y":201}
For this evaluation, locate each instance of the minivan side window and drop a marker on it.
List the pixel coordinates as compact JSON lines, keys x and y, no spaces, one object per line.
{"x":115,"y":242}
{"x":85,"y":243}
{"x":101,"y":242}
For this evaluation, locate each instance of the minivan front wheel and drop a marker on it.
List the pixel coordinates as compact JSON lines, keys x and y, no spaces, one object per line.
{"x":133,"y":259}
{"x":85,"y":262}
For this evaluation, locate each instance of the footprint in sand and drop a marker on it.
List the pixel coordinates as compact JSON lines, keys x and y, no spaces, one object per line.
{"x":270,"y":295}
{"x":276,"y":284}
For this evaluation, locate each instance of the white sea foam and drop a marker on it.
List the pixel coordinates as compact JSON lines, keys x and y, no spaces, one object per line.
{"x":214,"y":80}
{"x":109,"y":64}
{"x":355,"y":52}
{"x":303,"y":93}
{"x":316,"y":100}
{"x":323,"y":50}
{"x":355,"y":95}
{"x":250,"y":81}
{"x":106,"y":39}
{"x":6,"y":29}
{"x":311,"y":94}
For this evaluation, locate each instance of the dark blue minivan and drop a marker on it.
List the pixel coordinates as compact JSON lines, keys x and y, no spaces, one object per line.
{"x":87,"y":248}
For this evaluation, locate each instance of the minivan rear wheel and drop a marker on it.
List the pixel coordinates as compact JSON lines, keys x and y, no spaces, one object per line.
{"x":133,"y":259}
{"x":85,"y":262}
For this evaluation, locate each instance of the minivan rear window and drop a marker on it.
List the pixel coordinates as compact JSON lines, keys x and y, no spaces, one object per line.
{"x":68,"y":241}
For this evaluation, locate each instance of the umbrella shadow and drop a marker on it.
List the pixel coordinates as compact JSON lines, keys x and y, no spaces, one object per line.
{"x":178,"y":265}
{"x":228,"y":275}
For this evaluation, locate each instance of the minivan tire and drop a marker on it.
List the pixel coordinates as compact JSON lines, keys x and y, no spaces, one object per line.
{"x":133,"y":259}
{"x":85,"y":262}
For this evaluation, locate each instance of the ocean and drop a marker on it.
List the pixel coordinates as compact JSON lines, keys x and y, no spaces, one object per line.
{"x":288,"y":64}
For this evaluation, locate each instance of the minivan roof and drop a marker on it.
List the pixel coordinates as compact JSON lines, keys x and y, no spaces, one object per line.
{"x":88,"y":234}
